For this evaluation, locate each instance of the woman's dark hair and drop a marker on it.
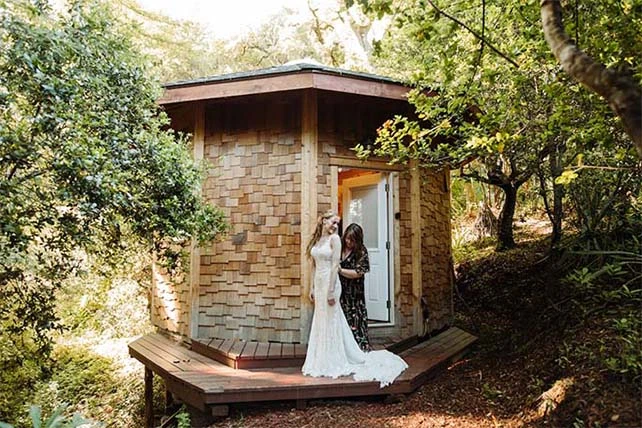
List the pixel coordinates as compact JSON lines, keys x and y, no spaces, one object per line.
{"x":355,"y":233}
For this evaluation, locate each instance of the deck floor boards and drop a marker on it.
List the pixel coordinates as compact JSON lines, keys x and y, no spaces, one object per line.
{"x":201,"y":381}
{"x":240,"y":354}
{"x":249,"y":350}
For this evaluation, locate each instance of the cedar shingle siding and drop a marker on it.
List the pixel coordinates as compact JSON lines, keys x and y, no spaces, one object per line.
{"x":249,"y":283}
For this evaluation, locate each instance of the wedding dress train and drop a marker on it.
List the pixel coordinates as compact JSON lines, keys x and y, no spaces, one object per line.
{"x":332,"y":350}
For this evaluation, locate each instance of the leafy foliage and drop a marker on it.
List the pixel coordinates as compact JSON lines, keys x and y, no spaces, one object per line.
{"x":87,"y":168}
{"x":495,"y":93}
{"x":56,"y":420}
{"x":103,"y":386}
{"x":611,"y":293}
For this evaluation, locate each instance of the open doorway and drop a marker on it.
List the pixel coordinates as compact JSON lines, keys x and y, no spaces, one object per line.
{"x":365,"y":198}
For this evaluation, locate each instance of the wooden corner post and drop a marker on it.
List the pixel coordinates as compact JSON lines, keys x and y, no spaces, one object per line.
{"x":417,"y":229}
{"x":309,"y":160}
{"x":149,"y":398}
{"x":195,"y":252}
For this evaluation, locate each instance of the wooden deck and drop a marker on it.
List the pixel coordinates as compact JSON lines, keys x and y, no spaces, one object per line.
{"x":241,"y":354}
{"x":207,"y":384}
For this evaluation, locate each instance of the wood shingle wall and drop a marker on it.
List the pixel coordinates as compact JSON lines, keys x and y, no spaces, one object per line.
{"x":250,"y":282}
{"x":404,"y":298}
{"x":170,"y":308}
{"x":436,"y":248}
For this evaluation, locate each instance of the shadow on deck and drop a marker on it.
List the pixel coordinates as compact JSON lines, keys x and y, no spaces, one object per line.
{"x":211,"y":386}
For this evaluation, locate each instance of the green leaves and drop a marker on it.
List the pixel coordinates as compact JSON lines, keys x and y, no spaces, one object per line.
{"x":87,"y":165}
{"x":566,"y":178}
{"x":57,"y":419}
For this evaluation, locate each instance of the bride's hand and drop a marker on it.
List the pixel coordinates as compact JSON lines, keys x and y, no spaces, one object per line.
{"x":331,"y":299}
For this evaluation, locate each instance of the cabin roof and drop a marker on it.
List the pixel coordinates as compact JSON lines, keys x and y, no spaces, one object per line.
{"x":284,"y":78}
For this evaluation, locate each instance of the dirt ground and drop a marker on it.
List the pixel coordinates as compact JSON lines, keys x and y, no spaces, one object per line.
{"x":518,"y":374}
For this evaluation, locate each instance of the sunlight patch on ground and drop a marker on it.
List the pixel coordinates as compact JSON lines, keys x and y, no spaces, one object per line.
{"x":554,"y":396}
{"x":439,"y":419}
{"x":116,"y":350}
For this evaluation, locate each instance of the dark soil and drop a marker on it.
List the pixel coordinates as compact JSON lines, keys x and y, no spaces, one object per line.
{"x":537,"y":362}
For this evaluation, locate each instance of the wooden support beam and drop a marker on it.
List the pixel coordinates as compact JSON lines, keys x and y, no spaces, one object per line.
{"x":195,"y":253}
{"x":169,"y":400}
{"x":372,"y":163}
{"x":415,"y":219}
{"x":451,"y":277}
{"x":309,"y":161}
{"x":149,"y":394}
{"x":334,"y":189}
{"x":220,"y":410}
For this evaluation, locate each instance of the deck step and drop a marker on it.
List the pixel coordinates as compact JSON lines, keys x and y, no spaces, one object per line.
{"x":241,"y":354}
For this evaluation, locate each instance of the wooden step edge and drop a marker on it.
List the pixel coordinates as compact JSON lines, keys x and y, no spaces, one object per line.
{"x":213,"y":353}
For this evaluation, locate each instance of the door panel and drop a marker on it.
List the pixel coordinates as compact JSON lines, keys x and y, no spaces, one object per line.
{"x":365,"y":203}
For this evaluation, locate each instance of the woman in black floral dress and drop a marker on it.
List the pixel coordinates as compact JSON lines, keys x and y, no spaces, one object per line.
{"x":354,"y":264}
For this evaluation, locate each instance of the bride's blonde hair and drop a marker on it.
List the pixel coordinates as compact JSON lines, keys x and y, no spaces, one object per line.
{"x":318,"y":230}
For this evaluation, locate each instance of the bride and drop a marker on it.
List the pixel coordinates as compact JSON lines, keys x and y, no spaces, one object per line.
{"x":332,"y":350}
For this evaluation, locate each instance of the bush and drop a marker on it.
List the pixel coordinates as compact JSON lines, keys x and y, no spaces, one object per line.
{"x":608,"y":292}
{"x":57,"y":419}
{"x":97,"y":386}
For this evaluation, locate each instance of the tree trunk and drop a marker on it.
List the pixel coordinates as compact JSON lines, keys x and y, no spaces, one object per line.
{"x":505,"y":230}
{"x":620,"y":90}
{"x":486,"y":222}
{"x":558,"y":195}
{"x":555,"y":164}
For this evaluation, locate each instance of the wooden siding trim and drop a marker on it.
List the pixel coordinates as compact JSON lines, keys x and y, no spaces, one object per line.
{"x":334,"y":188}
{"x":415,"y":215}
{"x":195,"y":256}
{"x":309,"y":163}
{"x":350,"y":85}
{"x":283,"y":82}
{"x":451,"y":276}
{"x":375,"y":164}
{"x":396,"y":208}
{"x":235,"y":88}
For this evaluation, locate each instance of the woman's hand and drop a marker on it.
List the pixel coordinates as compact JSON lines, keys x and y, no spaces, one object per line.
{"x":331,"y":298}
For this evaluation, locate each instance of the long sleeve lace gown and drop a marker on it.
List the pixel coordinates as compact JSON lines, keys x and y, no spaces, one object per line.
{"x":332,"y":350}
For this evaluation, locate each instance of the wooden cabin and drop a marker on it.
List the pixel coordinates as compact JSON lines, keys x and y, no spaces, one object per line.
{"x":278,"y":148}
{"x":278,"y":145}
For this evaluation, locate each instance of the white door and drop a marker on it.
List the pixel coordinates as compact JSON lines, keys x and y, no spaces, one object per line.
{"x":365,"y":202}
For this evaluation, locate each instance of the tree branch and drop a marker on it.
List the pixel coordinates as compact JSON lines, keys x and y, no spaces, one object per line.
{"x":481,"y":47}
{"x":474,"y":33}
{"x":620,"y":90}
{"x":475,"y":175}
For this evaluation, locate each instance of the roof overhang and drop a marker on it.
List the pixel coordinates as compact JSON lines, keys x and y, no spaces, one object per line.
{"x":279,"y":79}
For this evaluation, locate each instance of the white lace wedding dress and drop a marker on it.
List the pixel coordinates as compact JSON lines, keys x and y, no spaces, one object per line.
{"x":332,"y":350}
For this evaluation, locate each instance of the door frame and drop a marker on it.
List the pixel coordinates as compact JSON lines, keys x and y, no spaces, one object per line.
{"x":389,"y":212}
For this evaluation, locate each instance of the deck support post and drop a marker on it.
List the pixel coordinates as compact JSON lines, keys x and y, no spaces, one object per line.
{"x":301,"y":404}
{"x":149,"y":394}
{"x":220,"y":410}
{"x":169,"y":399}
